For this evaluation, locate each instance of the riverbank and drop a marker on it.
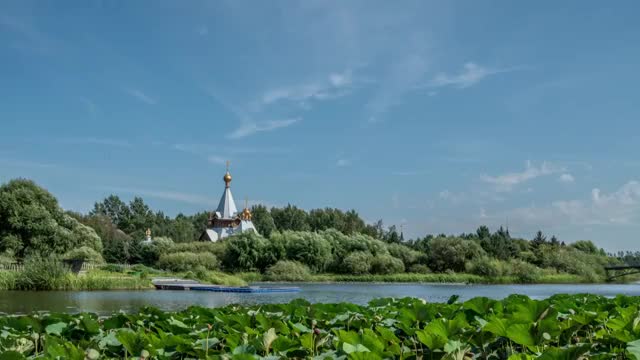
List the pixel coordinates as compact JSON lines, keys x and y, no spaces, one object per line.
{"x":139,"y":278}
{"x":444,"y":278}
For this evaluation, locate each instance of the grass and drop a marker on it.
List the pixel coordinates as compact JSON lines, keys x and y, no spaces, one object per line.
{"x":423,"y":278}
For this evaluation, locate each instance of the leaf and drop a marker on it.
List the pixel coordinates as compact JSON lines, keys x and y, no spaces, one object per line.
{"x":358,"y":348}
{"x":268,"y":338}
{"x":307,"y":341}
{"x":633,"y":348}
{"x":521,"y":334}
{"x":55,"y":329}
{"x":11,"y":355}
{"x":453,"y":299}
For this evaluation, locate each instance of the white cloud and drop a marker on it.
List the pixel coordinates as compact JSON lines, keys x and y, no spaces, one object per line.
{"x":335,"y":85}
{"x":98,"y":141}
{"x":470,"y":75}
{"x":162,"y":194}
{"x":451,"y":197}
{"x":138,"y":94}
{"x":566,"y":178}
{"x":507,"y":181}
{"x":343,"y":162}
{"x":218,"y":160}
{"x":620,"y":207}
{"x":250,"y":128}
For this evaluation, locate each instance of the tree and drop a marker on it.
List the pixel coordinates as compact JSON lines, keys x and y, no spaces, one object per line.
{"x":538,"y":240}
{"x":31,"y":221}
{"x":392,"y":236}
{"x":483,"y":232}
{"x":182,"y":230}
{"x":586,"y":246}
{"x":115,"y":209}
{"x":262,"y":220}
{"x":290,"y":218}
{"x":500,"y":245}
{"x":452,"y":253}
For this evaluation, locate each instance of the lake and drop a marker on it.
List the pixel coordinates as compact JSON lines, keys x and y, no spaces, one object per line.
{"x":105,"y":302}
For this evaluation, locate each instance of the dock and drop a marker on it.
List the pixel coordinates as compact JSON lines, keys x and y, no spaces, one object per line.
{"x":193,"y":285}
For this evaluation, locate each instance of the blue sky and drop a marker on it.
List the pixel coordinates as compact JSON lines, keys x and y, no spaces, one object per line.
{"x":437,"y":115}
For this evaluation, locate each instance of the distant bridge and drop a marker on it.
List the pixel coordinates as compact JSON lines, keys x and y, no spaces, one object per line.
{"x":616,"y":271}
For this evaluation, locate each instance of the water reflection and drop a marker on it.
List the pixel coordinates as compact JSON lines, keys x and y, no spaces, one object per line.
{"x":105,"y":302}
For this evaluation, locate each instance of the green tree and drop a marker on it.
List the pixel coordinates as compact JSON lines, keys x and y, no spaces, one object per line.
{"x":262,"y":220}
{"x":452,"y":253}
{"x":182,"y":229}
{"x":115,"y":209}
{"x":586,"y":246}
{"x":31,"y":221}
{"x":290,"y":218}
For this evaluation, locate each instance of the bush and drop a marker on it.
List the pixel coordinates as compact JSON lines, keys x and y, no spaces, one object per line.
{"x":404,"y":253}
{"x":43,"y":273}
{"x":484,"y":266}
{"x":187,"y":261}
{"x":386,"y":264}
{"x":244,"y":252}
{"x":419,"y":269}
{"x":285,"y":270}
{"x":217,"y":248}
{"x":450,"y":253}
{"x":308,"y":248}
{"x":6,"y":260}
{"x":524,"y":272}
{"x":84,"y":253}
{"x":356,"y":263}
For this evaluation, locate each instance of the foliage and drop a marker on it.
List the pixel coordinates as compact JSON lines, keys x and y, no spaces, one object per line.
{"x":386,"y":264}
{"x":450,"y":253}
{"x":286,"y":270}
{"x":245,"y":252}
{"x":290,"y":218}
{"x":585,"y":246}
{"x":561,"y":327}
{"x":358,"y":262}
{"x":186,"y":261}
{"x":524,"y":272}
{"x":484,"y":266}
{"x":419,"y":269}
{"x":262,"y":220}
{"x":43,"y":273}
{"x":84,"y":253}
{"x":32,"y":222}
{"x":309,"y":248}
{"x":217,"y":248}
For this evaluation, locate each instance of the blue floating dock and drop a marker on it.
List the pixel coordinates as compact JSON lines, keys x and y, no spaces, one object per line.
{"x":182,"y":284}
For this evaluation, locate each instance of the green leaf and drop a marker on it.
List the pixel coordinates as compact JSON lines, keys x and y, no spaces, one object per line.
{"x":55,"y":329}
{"x":358,"y":348}
{"x":268,"y":338}
{"x":11,"y":355}
{"x":521,"y":334}
{"x":633,"y":348}
{"x":307,"y":341}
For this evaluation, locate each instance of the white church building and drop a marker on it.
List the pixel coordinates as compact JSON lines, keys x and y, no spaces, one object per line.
{"x":226,"y":220}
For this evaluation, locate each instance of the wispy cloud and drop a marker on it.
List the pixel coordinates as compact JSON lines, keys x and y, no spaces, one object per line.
{"x":163,"y":194}
{"x":507,"y":181}
{"x":249,"y":128}
{"x":408,"y":172}
{"x":333,"y":86}
{"x":343,"y":162}
{"x":17,"y":163}
{"x":566,"y":178}
{"x":218,"y":160}
{"x":91,"y":107}
{"x":452,"y":197}
{"x":97,"y":141}
{"x":138,"y":94}
{"x":470,"y":75}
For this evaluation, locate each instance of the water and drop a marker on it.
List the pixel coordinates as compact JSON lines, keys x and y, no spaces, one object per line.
{"x":105,"y":302}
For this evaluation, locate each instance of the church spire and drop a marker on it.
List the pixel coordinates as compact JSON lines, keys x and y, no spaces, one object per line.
{"x":227,"y":177}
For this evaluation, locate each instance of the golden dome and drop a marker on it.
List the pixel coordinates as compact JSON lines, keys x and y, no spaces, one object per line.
{"x":246,"y":214}
{"x":227,"y":178}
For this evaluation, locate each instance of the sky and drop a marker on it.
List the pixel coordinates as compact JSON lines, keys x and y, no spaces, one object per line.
{"x":440,"y":116}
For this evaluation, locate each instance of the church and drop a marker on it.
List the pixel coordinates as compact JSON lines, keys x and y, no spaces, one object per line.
{"x":226,"y":220}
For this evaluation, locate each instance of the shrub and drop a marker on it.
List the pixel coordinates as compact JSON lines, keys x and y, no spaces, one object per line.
{"x":308,"y":248}
{"x":524,"y":272}
{"x":286,"y":270}
{"x":244,"y":252}
{"x":217,"y":248}
{"x":419,"y":269}
{"x":450,"y":253}
{"x":358,"y":262}
{"x":6,"y":259}
{"x":84,"y":253}
{"x":484,"y":266}
{"x":187,"y":261}
{"x":404,"y":253}
{"x":386,"y":264}
{"x":43,"y":273}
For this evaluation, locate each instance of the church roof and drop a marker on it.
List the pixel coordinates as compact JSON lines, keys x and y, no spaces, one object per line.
{"x":227,"y":207}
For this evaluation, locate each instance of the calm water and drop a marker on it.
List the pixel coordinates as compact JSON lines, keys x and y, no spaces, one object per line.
{"x":105,"y":302}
